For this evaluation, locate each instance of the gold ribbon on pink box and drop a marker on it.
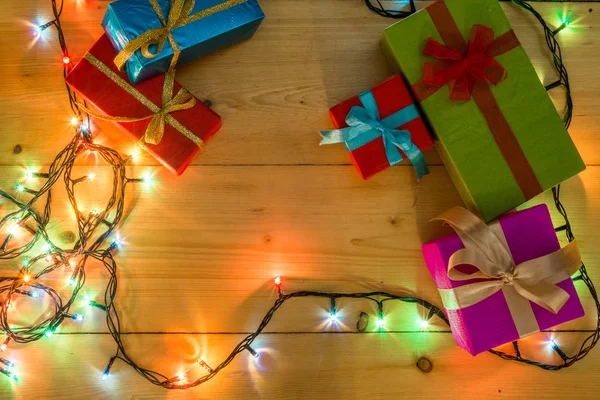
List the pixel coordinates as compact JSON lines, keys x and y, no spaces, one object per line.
{"x":486,"y":248}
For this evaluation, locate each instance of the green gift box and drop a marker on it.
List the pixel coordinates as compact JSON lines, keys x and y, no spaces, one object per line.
{"x":497,"y":131}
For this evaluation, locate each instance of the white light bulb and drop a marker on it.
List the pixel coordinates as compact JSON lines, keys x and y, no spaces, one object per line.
{"x":14,"y":229}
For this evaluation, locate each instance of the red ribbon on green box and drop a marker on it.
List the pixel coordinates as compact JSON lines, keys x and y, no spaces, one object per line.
{"x":468,"y":69}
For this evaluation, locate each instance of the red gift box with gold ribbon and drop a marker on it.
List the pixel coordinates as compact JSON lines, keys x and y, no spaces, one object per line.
{"x":166,"y":120}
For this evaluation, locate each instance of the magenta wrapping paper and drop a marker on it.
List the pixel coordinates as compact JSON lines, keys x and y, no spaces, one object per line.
{"x":488,"y":324}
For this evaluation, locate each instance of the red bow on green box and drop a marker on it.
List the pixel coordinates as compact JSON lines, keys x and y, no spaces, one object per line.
{"x":461,"y":71}
{"x":468,"y":68}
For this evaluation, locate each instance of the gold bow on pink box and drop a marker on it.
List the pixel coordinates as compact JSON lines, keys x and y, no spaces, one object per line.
{"x":531,"y":281}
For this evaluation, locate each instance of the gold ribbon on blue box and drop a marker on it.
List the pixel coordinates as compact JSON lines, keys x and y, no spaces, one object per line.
{"x":365,"y":125}
{"x":153,"y":36}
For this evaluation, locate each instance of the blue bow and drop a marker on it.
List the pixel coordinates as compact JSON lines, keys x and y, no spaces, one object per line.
{"x":365,"y":125}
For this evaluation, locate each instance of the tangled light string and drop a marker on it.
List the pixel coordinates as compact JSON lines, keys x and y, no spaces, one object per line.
{"x":97,"y":229}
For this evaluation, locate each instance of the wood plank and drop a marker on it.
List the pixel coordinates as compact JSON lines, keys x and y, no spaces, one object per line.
{"x":295,"y":367}
{"x":217,"y":245}
{"x":273,"y":92}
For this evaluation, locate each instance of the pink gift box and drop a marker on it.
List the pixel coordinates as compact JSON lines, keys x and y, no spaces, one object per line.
{"x":489,"y":324}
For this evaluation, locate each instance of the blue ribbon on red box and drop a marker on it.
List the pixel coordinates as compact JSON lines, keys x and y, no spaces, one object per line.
{"x":365,"y":125}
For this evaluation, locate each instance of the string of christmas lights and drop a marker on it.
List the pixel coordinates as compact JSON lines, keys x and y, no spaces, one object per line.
{"x":97,"y":239}
{"x":381,"y":10}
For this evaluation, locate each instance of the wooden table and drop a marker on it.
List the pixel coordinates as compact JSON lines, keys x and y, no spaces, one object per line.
{"x":201,"y":250}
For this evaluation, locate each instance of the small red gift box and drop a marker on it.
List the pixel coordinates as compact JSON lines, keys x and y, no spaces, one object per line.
{"x":97,"y":79}
{"x":391,"y":96}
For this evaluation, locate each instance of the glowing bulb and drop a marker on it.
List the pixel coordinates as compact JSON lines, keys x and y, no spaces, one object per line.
{"x":564,"y":24}
{"x":37,"y":31}
{"x":48,"y":333}
{"x":333,"y":318}
{"x":118,"y":241}
{"x":29,"y":174}
{"x":85,"y":126}
{"x":26,"y":262}
{"x":14,"y":229}
{"x":3,"y":347}
{"x":48,"y":258}
{"x":181,"y":376}
{"x":552,"y":344}
{"x":147,"y":179}
{"x":91,"y":176}
{"x":35,"y":295}
{"x":277,"y":280}
{"x":45,"y":248}
{"x":19,"y":187}
{"x":380,"y":323}
{"x":26,"y":278}
{"x":66,"y":60}
{"x":78,"y":317}
{"x":104,"y":376}
{"x":71,"y":282}
{"x":135,"y":155}
{"x":423,"y":323}
{"x":74,"y":121}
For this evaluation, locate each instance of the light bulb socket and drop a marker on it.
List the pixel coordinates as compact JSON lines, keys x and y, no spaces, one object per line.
{"x":45,"y":26}
{"x":204,"y":365}
{"x":24,"y":189}
{"x":254,"y":353}
{"x":550,"y":87}
{"x":9,"y":373}
{"x":6,"y":362}
{"x":97,"y":305}
{"x":107,"y":369}
{"x":559,"y":351}
{"x":564,"y":25}
{"x":39,"y":175}
{"x":29,"y":293}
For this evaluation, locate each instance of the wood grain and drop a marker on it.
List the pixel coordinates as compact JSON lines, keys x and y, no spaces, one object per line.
{"x":219,"y":248}
{"x":263,"y":200}
{"x":315,"y":366}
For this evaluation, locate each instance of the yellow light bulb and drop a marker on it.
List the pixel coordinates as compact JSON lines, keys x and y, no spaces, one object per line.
{"x":135,"y":155}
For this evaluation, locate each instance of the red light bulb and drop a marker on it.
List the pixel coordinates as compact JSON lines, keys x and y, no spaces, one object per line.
{"x":277,"y":280}
{"x":66,"y":60}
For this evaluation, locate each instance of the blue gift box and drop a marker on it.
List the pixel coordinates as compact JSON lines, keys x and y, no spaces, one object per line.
{"x":127,"y":19}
